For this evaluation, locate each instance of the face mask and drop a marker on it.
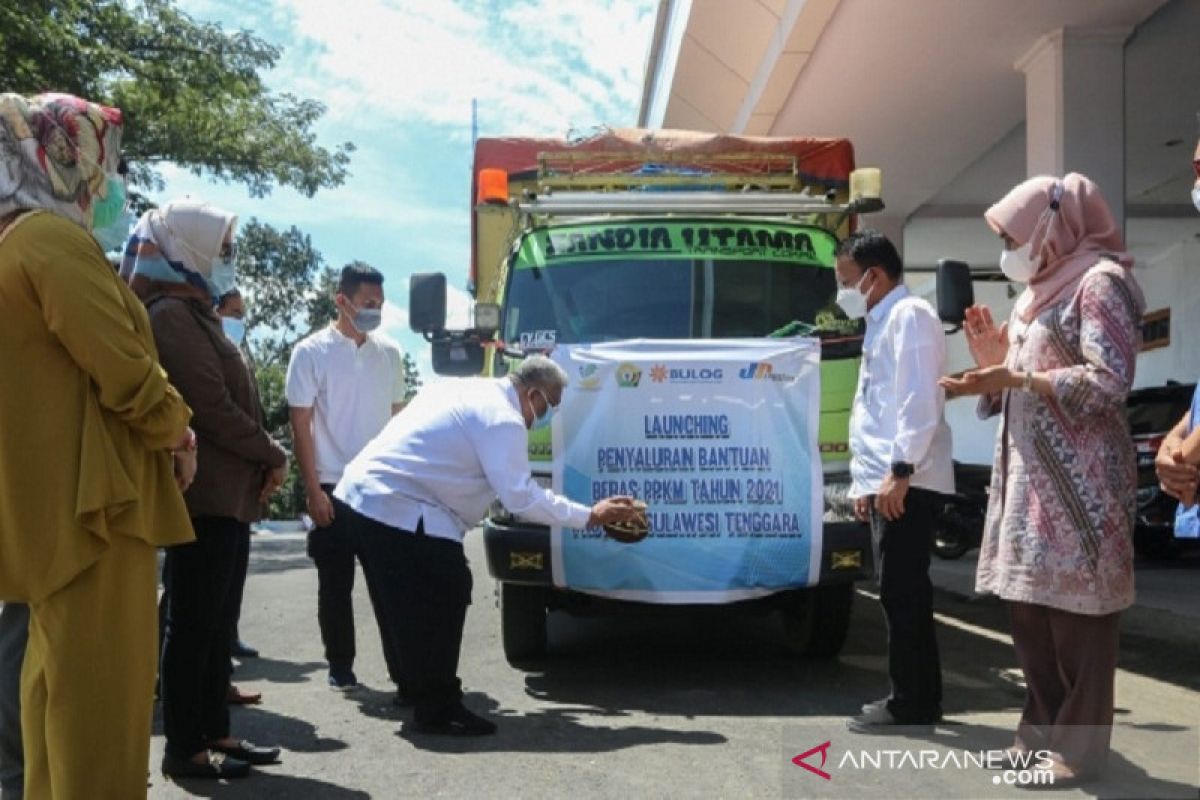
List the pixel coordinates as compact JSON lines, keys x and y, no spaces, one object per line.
{"x":1016,"y":264}
{"x":113,"y":237}
{"x":156,"y":268}
{"x":544,"y":420}
{"x":852,"y":300}
{"x":367,"y":319}
{"x":1196,"y":197}
{"x":235,"y":329}
{"x":223,"y":277}
{"x":107,"y":210}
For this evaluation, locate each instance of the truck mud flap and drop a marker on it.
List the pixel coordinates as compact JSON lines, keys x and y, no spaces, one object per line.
{"x":846,"y":553}
{"x":518,"y":553}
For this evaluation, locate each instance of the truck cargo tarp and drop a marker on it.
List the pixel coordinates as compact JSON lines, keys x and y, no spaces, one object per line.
{"x":820,"y":162}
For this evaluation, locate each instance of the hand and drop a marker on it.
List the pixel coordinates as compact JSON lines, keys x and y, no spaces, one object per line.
{"x":987,"y":343}
{"x":319,"y":507}
{"x":271,"y":482}
{"x":989,"y":380}
{"x":612,"y":510}
{"x":185,"y":468}
{"x":890,"y":500}
{"x":862,"y":509}
{"x":1176,"y":478}
{"x":186,"y":442}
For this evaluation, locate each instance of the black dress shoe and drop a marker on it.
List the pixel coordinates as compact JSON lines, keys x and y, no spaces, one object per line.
{"x":459,"y":722}
{"x":218,"y":766}
{"x":249,"y":752}
{"x":242,"y":650}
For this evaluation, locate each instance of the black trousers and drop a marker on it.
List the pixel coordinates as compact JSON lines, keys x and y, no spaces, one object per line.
{"x":906,"y":593}
{"x":424,"y":586}
{"x":242,"y":568}
{"x":202,"y":590}
{"x":334,"y":550}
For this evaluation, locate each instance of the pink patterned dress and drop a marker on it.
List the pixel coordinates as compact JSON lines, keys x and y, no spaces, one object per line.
{"x":1060,"y":517}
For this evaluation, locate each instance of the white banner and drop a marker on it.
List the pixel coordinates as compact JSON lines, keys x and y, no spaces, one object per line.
{"x":719,"y":438}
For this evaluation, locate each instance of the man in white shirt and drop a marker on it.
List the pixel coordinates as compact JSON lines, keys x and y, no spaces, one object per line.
{"x":418,"y":487}
{"x":343,"y":385}
{"x":900,"y":466}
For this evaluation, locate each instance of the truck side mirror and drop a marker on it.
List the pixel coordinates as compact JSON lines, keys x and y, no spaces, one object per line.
{"x":427,"y":302}
{"x":955,"y":292}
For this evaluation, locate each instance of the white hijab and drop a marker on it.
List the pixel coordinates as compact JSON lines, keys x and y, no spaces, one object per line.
{"x":188,"y":231}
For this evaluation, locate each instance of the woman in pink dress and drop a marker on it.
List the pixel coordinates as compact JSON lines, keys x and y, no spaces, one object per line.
{"x":1058,"y":538}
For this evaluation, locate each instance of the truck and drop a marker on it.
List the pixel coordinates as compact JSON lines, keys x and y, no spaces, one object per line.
{"x":643,"y":236}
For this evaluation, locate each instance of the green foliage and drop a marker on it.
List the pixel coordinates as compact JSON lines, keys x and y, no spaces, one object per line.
{"x":412,"y":377}
{"x":192,"y":92}
{"x":280,"y":275}
{"x":286,"y":288}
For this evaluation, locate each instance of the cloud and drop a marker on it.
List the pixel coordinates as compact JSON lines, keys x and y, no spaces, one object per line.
{"x":535,"y":67}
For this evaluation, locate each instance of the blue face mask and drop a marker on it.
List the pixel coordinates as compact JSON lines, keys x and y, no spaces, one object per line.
{"x":544,"y":420}
{"x":112,"y":237}
{"x":156,"y":268}
{"x":222,"y":278}
{"x":368,"y":319}
{"x":235,"y":329}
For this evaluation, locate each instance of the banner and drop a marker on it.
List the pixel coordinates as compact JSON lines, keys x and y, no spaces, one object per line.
{"x":719,"y":438}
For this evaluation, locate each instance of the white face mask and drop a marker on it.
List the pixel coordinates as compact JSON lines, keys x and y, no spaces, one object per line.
{"x":1016,"y":264}
{"x":852,"y":300}
{"x":1196,"y":197}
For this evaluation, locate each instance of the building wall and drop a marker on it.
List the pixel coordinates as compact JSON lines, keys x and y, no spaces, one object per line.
{"x":1167,"y":255}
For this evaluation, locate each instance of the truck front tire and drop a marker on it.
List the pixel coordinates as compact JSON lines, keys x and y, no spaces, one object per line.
{"x":522,"y":622}
{"x":816,"y":620}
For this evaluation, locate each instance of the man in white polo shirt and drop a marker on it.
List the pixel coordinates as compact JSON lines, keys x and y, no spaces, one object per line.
{"x":416,"y":489}
{"x":343,"y":385}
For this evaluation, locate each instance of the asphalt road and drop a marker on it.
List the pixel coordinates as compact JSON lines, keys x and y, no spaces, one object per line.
{"x":659,"y":703}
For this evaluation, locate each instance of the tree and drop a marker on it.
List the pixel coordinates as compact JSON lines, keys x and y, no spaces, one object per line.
{"x":192,"y":92}
{"x":279,"y":272}
{"x":286,"y":287}
{"x":412,"y":377}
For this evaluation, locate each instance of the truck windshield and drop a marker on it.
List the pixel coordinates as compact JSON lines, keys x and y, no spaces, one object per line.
{"x":581,"y":297}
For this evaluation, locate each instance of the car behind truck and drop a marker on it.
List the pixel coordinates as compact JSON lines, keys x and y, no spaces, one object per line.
{"x":686,"y":283}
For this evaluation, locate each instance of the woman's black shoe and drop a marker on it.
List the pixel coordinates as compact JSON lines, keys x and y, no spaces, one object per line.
{"x":249,"y":752}
{"x":219,"y":766}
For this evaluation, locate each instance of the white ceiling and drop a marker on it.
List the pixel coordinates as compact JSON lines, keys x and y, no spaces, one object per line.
{"x":927,"y":90}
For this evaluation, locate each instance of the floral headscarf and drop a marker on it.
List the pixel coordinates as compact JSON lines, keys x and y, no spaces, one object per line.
{"x":56,"y":152}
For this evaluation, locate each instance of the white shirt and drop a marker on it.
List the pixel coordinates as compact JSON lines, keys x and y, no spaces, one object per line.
{"x":897,"y":414}
{"x":459,"y":444}
{"x":351,"y":390}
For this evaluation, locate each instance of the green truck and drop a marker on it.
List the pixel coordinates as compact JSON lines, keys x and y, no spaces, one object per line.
{"x":662,"y":236}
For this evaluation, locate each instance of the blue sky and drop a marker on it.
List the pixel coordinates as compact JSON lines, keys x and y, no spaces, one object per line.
{"x":398,"y":77}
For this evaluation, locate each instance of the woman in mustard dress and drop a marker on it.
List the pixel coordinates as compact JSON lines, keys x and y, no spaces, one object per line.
{"x":89,"y":487}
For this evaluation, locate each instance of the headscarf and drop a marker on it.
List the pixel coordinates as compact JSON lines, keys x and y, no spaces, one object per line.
{"x":56,"y":153}
{"x":177,"y":243}
{"x":1069,"y":228}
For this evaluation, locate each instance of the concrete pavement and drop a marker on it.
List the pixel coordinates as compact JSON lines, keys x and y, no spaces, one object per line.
{"x":663,"y":703}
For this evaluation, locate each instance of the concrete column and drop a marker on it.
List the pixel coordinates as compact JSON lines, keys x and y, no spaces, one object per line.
{"x":1075,"y":107}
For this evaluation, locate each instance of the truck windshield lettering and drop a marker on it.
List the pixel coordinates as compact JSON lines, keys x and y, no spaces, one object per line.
{"x":687,"y":239}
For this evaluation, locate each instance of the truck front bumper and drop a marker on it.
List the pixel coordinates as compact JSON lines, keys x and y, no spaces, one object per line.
{"x":520,"y":553}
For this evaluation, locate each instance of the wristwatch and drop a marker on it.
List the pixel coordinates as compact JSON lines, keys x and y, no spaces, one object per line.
{"x":902,"y":469}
